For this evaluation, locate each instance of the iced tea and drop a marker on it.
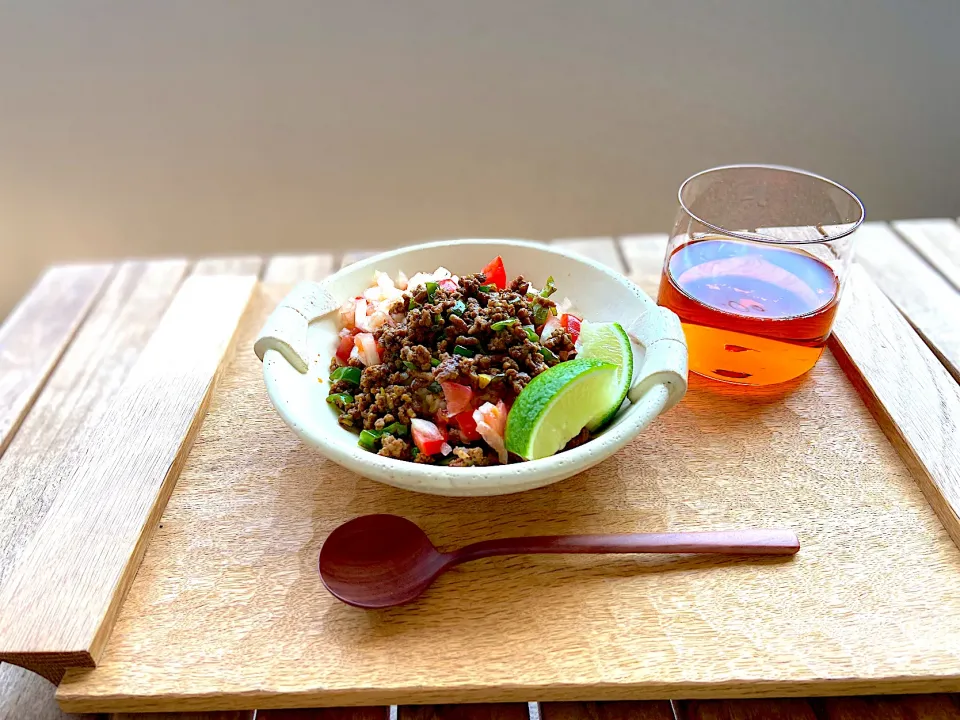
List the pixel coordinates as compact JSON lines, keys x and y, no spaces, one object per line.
{"x":753,"y":314}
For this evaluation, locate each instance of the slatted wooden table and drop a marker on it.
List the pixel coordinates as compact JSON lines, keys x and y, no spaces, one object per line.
{"x":73,"y":344}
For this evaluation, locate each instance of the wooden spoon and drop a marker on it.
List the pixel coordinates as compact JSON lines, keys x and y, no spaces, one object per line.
{"x":378,"y":561}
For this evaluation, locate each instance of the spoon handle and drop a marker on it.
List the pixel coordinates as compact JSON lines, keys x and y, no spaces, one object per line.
{"x":725,"y":542}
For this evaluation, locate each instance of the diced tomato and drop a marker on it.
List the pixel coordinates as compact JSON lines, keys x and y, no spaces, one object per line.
{"x":448,"y":285}
{"x":343,"y":350}
{"x":571,"y":323}
{"x":458,"y":397}
{"x":367,"y":349}
{"x":427,"y":436}
{"x":495,"y":273}
{"x":467,"y":425}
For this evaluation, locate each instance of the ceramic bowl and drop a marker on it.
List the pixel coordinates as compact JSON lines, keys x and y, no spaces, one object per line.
{"x":300,"y":338}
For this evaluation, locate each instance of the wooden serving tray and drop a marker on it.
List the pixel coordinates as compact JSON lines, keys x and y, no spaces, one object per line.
{"x":227,"y":610}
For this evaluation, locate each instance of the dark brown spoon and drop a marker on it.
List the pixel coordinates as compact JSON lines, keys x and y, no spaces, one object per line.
{"x":378,"y":561}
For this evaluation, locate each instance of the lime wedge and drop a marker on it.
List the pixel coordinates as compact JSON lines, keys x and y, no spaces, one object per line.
{"x":608,"y":342}
{"x":557,"y":404}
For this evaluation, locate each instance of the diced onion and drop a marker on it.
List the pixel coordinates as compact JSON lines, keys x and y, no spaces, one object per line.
{"x":367,"y":349}
{"x":347,"y":311}
{"x":360,"y":315}
{"x":491,"y":421}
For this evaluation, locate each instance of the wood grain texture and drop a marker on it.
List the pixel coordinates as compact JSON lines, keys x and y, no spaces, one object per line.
{"x":480,"y":711}
{"x":904,"y":707}
{"x":652,"y":710}
{"x":78,"y":390}
{"x":58,"y":602}
{"x":746,"y":710}
{"x":228,"y":611}
{"x":291,"y":269}
{"x":938,"y":241}
{"x":603,"y":250}
{"x":41,"y":456}
{"x":913,"y":397}
{"x":644,"y":255}
{"x":926,"y":298}
{"x":346,"y":713}
{"x":229,"y":265}
{"x":37,"y":332}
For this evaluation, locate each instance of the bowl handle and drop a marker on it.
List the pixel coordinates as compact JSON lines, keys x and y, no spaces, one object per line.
{"x":286,"y":329}
{"x":665,"y":356}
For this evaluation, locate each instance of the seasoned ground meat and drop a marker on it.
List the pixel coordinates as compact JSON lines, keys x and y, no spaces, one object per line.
{"x":473,"y":335}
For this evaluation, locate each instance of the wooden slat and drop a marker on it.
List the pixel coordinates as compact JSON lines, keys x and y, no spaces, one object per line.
{"x":746,"y":710}
{"x":938,"y":241}
{"x":644,"y":256}
{"x":36,"y":334}
{"x":78,"y":393}
{"x":601,"y":249}
{"x":478,"y":711}
{"x":912,"y":396}
{"x":902,"y":707}
{"x":290,"y":269}
{"x":78,"y":390}
{"x":928,"y":300}
{"x":229,"y":265}
{"x":346,"y":713}
{"x":58,"y":605}
{"x":651,"y":710}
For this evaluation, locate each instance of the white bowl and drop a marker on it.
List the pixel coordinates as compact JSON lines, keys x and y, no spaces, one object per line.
{"x":300,"y":338}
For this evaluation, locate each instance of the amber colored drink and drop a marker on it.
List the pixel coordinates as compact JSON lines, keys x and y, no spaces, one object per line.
{"x":753,"y":314}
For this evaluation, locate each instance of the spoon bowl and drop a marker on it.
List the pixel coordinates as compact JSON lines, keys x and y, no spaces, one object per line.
{"x":379,"y":561}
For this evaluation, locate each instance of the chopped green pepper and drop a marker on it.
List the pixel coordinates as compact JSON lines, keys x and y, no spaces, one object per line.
{"x":550,"y":288}
{"x":340,"y":400}
{"x":412,"y":305}
{"x":504,"y":324}
{"x":414,"y":453}
{"x":531,"y":333}
{"x":463,"y":351}
{"x":487,"y":288}
{"x":369,"y":439}
{"x":350,"y":374}
{"x":547,"y":354}
{"x":434,"y":362}
{"x":540,"y":314}
{"x":431,"y":290}
{"x":459,"y":308}
{"x":396,"y":429}
{"x":410,"y":366}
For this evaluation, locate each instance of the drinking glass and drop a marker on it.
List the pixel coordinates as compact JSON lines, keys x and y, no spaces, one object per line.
{"x":755,"y":268}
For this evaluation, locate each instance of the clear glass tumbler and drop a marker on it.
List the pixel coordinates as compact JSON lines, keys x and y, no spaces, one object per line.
{"x":755,"y":268}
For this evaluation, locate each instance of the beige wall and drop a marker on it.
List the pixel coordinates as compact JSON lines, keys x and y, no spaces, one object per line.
{"x":151,"y":128}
